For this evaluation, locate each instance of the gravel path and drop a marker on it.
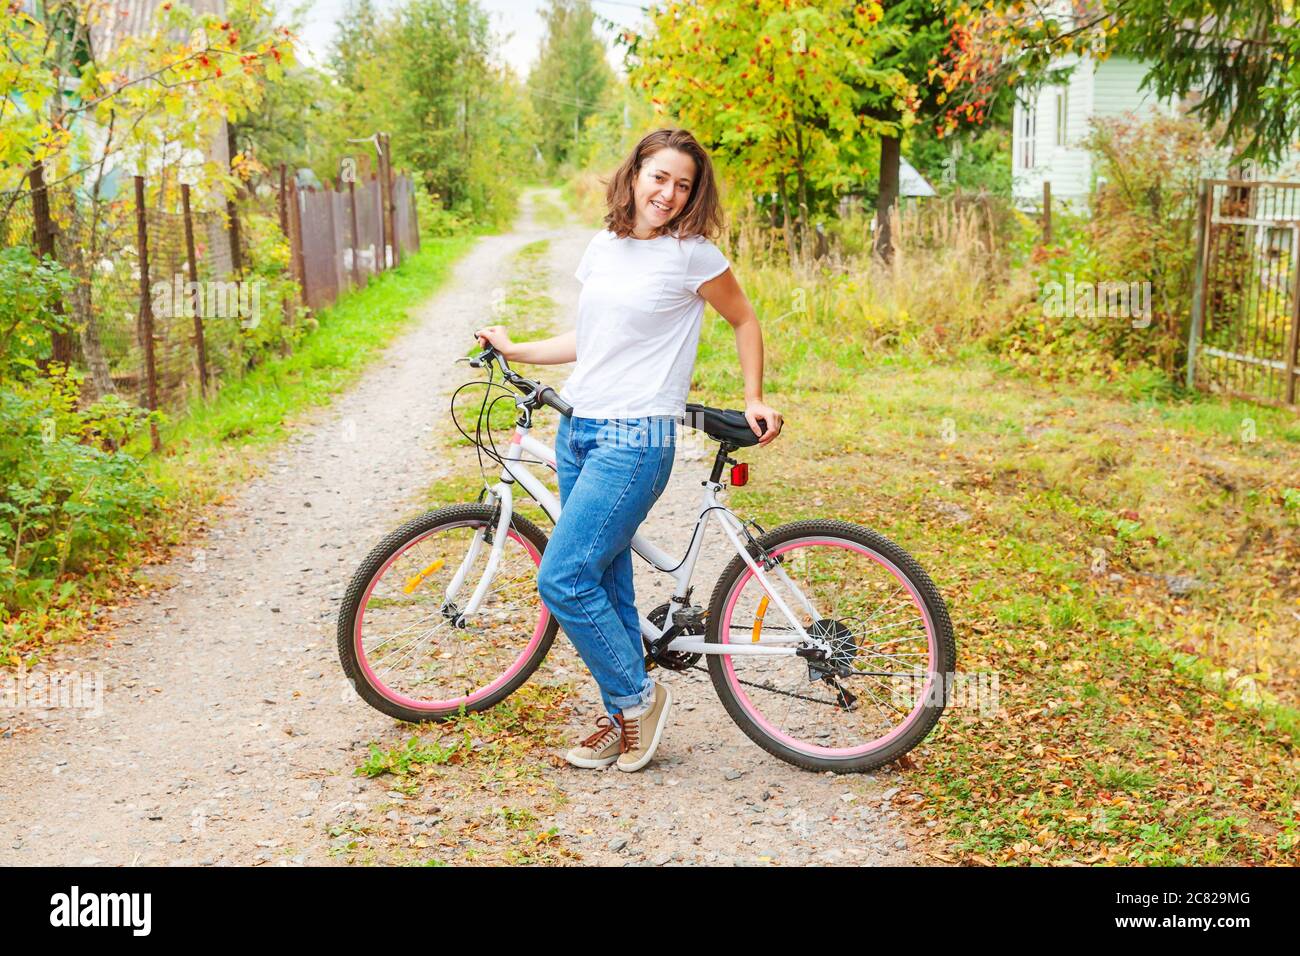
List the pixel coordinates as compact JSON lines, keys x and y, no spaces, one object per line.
{"x":228,"y":736}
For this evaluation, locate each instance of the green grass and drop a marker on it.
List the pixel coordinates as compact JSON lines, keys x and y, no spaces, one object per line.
{"x":548,"y":213}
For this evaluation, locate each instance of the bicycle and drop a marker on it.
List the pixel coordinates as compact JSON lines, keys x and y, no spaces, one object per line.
{"x":423,"y":638}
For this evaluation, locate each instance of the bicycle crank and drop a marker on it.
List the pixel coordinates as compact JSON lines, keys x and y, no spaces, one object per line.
{"x":670,"y":660}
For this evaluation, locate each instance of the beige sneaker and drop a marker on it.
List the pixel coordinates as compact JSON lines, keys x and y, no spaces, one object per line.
{"x":600,"y":749}
{"x":641,"y":734}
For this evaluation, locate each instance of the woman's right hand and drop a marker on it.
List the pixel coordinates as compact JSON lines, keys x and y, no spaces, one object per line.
{"x":497,"y":337}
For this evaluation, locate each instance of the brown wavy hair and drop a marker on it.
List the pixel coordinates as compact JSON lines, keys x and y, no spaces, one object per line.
{"x":702,"y":214}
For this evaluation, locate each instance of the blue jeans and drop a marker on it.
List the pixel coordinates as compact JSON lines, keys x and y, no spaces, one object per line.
{"x":611,"y":471}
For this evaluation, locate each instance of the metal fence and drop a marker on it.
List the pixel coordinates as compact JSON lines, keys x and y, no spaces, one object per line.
{"x":1245,"y":327}
{"x":172,"y":295}
{"x":343,"y":236}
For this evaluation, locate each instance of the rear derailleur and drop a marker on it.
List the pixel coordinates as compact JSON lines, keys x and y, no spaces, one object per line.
{"x":829,"y":667}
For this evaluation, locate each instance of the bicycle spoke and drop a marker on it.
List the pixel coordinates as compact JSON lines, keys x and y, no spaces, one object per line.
{"x":414,"y":651}
{"x":404,"y":630}
{"x":875,"y":636}
{"x":415,"y":644}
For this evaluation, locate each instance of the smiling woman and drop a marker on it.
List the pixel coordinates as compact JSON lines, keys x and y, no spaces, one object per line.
{"x":646,"y":280}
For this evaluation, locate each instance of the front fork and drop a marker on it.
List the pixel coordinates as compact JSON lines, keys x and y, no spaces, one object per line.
{"x":505,"y":512}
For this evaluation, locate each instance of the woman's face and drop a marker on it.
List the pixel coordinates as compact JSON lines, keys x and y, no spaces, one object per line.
{"x":663,"y":186}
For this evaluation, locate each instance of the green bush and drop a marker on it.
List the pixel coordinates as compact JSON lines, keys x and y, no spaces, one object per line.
{"x":437,"y":222}
{"x":282,"y":320}
{"x":66,"y":496}
{"x":1144,"y":227}
{"x":1138,"y":236}
{"x":30,"y":287}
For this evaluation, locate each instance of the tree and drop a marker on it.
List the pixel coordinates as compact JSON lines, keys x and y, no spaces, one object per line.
{"x":358,"y":41}
{"x":426,"y":75}
{"x":86,"y":117}
{"x":1242,"y":55}
{"x":296,"y":120}
{"x":923,"y":30}
{"x":570,"y":80}
{"x":1241,"y":58}
{"x":776,"y":93}
{"x":371,"y":89}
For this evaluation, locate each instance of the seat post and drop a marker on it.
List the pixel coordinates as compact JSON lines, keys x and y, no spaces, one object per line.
{"x":719,"y":460}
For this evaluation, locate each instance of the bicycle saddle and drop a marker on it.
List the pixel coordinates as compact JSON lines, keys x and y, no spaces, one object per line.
{"x":720,"y":424}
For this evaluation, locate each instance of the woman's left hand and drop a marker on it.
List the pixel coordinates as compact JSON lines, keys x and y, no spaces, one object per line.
{"x":755,"y":410}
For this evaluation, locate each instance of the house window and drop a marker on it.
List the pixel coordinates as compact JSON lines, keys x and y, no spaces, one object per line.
{"x":1062,"y":115}
{"x":1028,"y":133}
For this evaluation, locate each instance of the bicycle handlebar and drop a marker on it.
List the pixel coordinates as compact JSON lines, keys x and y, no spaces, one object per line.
{"x":536,"y":391}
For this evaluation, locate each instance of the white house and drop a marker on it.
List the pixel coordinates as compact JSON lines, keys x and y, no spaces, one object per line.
{"x":1050,"y":122}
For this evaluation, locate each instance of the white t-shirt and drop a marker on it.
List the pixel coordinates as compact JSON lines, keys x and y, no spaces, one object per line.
{"x":638,"y":328}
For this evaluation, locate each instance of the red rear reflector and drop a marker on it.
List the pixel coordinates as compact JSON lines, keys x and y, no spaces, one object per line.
{"x":739,"y":474}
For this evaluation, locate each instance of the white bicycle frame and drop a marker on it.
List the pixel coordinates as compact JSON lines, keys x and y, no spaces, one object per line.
{"x":515,"y":471}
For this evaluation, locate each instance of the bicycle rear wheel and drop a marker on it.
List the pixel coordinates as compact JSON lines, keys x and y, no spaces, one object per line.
{"x":398,"y":638}
{"x":885,"y":684}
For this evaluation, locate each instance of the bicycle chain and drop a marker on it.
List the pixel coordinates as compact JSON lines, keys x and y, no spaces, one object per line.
{"x":772,"y":690}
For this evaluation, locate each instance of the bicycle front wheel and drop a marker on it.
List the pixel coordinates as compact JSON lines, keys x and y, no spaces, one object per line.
{"x":883,"y":686}
{"x":400,"y":638}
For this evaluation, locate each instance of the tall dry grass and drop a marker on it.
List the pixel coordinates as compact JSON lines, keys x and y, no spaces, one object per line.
{"x":950,"y":284}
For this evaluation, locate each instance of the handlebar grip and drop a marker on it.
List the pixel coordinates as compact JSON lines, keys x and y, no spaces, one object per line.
{"x":548,"y":396}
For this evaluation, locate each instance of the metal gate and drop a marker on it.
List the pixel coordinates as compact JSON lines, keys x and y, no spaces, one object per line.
{"x":1246,"y":303}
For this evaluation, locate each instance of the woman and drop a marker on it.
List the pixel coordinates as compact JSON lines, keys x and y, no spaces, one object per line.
{"x":646,"y":279}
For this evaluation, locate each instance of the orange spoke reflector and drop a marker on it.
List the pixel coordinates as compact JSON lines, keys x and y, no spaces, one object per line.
{"x":414,"y":582}
{"x":758,"y":618}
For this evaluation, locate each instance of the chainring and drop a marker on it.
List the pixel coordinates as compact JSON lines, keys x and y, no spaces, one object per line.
{"x":669,"y":660}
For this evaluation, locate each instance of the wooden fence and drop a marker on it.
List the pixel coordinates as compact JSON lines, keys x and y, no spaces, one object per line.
{"x":167,"y":296}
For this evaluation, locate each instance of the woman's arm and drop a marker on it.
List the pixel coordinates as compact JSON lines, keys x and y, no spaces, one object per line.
{"x":556,"y":350}
{"x":723,"y":292}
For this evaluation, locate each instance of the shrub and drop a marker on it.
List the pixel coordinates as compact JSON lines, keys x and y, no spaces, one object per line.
{"x":436,"y":222}
{"x":235,"y":342}
{"x":66,"y":494}
{"x":66,"y":497}
{"x":1140,"y":234}
{"x":1143,"y":226}
{"x":30,"y":287}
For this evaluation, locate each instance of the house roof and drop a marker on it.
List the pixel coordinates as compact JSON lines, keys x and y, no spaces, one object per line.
{"x":910,"y":182}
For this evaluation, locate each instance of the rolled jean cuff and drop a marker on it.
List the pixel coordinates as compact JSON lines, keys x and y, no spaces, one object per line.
{"x":644,"y":699}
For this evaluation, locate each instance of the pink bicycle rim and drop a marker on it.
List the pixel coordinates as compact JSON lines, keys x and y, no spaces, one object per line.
{"x":373,"y":680}
{"x":724,"y":631}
